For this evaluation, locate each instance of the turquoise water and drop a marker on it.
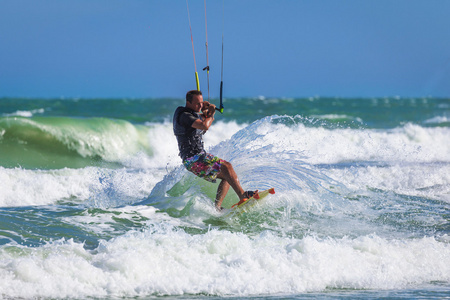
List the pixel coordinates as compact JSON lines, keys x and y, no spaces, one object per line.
{"x":95,"y":203}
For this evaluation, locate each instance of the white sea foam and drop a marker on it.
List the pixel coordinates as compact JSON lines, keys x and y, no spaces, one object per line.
{"x":437,"y":120}
{"x":410,"y":143}
{"x":102,"y":187}
{"x":425,"y":180}
{"x":36,"y":187}
{"x":337,"y":117}
{"x":25,"y":113}
{"x":164,"y":261}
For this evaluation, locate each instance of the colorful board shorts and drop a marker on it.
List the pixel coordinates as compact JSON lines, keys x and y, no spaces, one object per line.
{"x":204,"y":165}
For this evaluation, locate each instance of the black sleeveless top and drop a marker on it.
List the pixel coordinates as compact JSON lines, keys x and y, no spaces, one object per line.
{"x":190,"y":140}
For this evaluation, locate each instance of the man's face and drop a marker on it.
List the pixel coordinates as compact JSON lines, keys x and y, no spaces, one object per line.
{"x":196,"y":104}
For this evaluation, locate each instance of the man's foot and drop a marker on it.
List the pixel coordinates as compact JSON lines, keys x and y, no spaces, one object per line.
{"x":249,"y":194}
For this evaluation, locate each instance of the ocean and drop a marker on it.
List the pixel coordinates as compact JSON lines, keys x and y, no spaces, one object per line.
{"x":95,"y":203}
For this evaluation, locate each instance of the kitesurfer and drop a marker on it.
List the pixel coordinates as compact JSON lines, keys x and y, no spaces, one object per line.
{"x":189,"y":127}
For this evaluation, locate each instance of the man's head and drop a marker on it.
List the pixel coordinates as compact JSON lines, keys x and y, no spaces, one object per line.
{"x":194,"y":100}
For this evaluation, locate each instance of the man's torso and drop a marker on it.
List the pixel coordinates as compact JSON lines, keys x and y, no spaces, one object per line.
{"x":190,"y":141}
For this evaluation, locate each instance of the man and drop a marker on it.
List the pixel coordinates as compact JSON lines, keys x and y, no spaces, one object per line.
{"x":189,"y":128}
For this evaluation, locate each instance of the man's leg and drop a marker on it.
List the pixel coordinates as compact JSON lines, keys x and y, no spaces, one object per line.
{"x":228,"y":174}
{"x":222,"y":191}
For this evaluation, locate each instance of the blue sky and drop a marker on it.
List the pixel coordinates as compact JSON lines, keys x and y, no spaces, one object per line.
{"x":282,"y":48}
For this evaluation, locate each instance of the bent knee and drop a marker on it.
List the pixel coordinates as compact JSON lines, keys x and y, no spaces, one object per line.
{"x":226,"y":167}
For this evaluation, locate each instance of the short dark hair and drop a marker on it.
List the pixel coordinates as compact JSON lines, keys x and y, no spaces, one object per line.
{"x":190,"y":94}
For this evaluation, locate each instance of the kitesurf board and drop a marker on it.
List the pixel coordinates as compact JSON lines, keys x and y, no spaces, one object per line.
{"x":245,"y":206}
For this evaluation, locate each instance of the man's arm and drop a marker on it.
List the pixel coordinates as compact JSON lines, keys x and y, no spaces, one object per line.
{"x":204,"y":123}
{"x":207,"y":118}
